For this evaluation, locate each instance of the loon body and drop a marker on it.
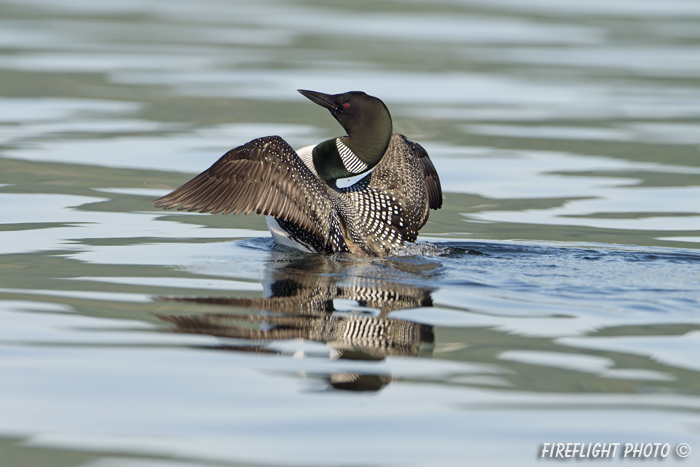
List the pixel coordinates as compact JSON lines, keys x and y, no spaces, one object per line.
{"x":297,"y":190}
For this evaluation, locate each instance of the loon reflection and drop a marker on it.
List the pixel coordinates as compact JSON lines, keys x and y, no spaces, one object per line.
{"x":298,"y":303}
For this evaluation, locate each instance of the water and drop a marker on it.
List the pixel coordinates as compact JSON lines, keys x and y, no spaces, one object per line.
{"x":554,"y":298}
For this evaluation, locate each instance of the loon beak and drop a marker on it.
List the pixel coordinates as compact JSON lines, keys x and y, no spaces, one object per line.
{"x":324,"y":100}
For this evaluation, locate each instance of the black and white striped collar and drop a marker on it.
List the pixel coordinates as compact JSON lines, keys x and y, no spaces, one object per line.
{"x":352,"y":163}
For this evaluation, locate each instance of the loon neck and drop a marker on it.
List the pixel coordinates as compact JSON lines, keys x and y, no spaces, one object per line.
{"x":349,"y":155}
{"x":337,"y":158}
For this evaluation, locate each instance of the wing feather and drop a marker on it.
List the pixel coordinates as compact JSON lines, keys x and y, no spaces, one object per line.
{"x":432,"y":181}
{"x":264,"y":175}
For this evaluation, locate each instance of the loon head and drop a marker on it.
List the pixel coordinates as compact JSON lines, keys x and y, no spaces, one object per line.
{"x":368,"y":125}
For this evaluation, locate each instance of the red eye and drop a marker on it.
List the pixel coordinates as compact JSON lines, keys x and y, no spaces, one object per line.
{"x":346,"y":105}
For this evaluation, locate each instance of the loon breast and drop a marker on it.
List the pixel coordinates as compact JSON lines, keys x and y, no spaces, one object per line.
{"x":307,"y":157}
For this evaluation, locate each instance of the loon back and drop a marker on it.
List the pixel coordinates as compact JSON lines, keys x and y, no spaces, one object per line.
{"x":392,"y":203}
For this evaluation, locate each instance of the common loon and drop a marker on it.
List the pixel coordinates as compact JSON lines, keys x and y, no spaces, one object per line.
{"x":298,"y":193}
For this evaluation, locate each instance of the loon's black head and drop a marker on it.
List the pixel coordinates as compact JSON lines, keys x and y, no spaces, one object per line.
{"x":354,"y":110}
{"x":367,"y":122}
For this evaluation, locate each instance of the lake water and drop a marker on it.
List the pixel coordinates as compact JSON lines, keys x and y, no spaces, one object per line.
{"x":554,"y":299}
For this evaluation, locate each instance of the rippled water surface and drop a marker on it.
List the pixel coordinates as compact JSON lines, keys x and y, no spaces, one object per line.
{"x":554,"y":298}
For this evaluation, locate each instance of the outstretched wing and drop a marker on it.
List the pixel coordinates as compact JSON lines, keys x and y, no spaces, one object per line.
{"x":392,"y":203}
{"x":264,"y":175}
